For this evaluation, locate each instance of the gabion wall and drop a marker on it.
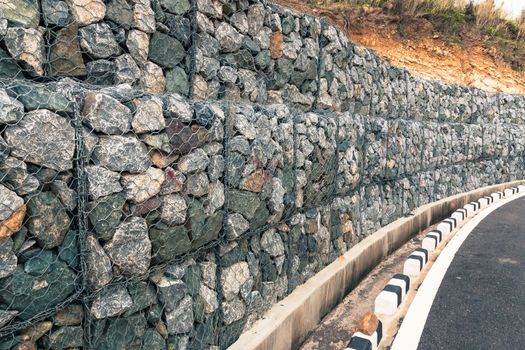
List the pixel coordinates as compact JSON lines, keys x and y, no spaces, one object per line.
{"x":171,"y":169}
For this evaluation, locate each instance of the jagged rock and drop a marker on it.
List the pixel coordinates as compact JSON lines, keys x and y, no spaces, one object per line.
{"x":13,"y":223}
{"x":47,"y":220}
{"x":98,"y":264}
{"x":67,"y":196}
{"x":153,"y":340}
{"x":20,"y":13}
{"x":208,"y":299}
{"x":87,"y":11}
{"x":27,"y":46}
{"x":101,"y":181}
{"x":197,"y":184}
{"x":11,"y":110}
{"x":44,"y":138}
{"x":6,"y":317}
{"x":65,"y":54}
{"x":120,"y":12}
{"x":105,"y":214}
{"x":122,"y":153}
{"x":237,"y":225}
{"x":148,"y":115}
{"x":173,"y":210}
{"x":272,"y":243}
{"x":65,"y":337}
{"x":143,"y":295}
{"x":143,"y":17}
{"x":175,"y":106}
{"x":105,"y":114}
{"x":55,"y":12}
{"x":174,"y":181}
{"x":126,"y":70}
{"x":178,"y":7}
{"x":69,"y":250}
{"x":196,"y":161}
{"x":215,"y":197}
{"x":8,"y":259}
{"x":244,"y":203}
{"x":98,"y":40}
{"x":229,"y":39}
{"x":171,"y":291}
{"x":112,"y":301}
{"x":138,"y":45}
{"x":168,"y":242}
{"x":71,"y":315}
{"x":152,"y":79}
{"x":180,"y":320}
{"x":177,"y":81}
{"x":100,"y":72}
{"x":234,"y":310}
{"x":14,"y":175}
{"x":165,"y":50}
{"x":141,"y":187}
{"x":232,"y":278}
{"x":130,"y":247}
{"x":41,"y":96}
{"x":9,"y":69}
{"x":182,"y":137}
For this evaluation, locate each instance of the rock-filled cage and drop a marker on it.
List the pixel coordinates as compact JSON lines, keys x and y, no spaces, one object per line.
{"x":170,"y":169}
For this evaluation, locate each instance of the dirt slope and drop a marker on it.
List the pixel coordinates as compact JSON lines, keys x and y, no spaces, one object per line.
{"x":420,"y":49}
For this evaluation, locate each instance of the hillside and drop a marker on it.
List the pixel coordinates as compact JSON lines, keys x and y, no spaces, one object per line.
{"x":425,"y":46}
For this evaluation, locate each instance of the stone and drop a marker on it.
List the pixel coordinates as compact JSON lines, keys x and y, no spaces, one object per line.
{"x":37,"y":331}
{"x":272,"y":243}
{"x":253,"y":183}
{"x":86,"y":12}
{"x":100,"y":72}
{"x":41,"y":96}
{"x":180,"y":320}
{"x":110,"y":302}
{"x":168,"y":242}
{"x":245,"y":127}
{"x":197,"y":184}
{"x":171,"y":291}
{"x":9,"y":68}
{"x":209,"y":273}
{"x":130,"y":247}
{"x":153,"y":340}
{"x":39,"y":262}
{"x":234,"y":310}
{"x":67,"y":196}
{"x":6,"y":317}
{"x":101,"y":181}
{"x":55,"y":13}
{"x":138,"y":45}
{"x":229,"y":38}
{"x":44,"y":138}
{"x":237,"y":225}
{"x":122,"y":332}
{"x":139,"y":188}
{"x":8,"y":259}
{"x":152,"y":79}
{"x":195,"y":161}
{"x":148,"y":115}
{"x":174,"y":181}
{"x":177,"y":81}
{"x":20,"y":13}
{"x":105,"y":214}
{"x":47,"y":220}
{"x":178,"y":7}
{"x":10,"y":202}
{"x":69,"y":250}
{"x":126,"y":70}
{"x":15,"y":176}
{"x":71,"y":315}
{"x":240,"y":21}
{"x":208,"y":299}
{"x":122,"y":153}
{"x":4,"y":149}
{"x":13,"y":223}
{"x":215,"y":197}
{"x":98,"y":40}
{"x":244,"y":203}
{"x":143,"y":295}
{"x":173,"y":210}
{"x":98,"y":264}
{"x":143,"y":17}
{"x":175,"y":106}
{"x":65,"y":54}
{"x":11,"y":110}
{"x":32,"y":295}
{"x":179,"y":27}
{"x":276,"y":45}
{"x":368,"y":323}
{"x":216,"y":167}
{"x":232,"y":278}
{"x":65,"y":338}
{"x":105,"y":114}
{"x":165,"y":50}
{"x":26,"y":46}
{"x":119,"y":12}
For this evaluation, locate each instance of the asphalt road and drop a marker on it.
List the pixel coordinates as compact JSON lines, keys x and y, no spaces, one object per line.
{"x":481,"y":301}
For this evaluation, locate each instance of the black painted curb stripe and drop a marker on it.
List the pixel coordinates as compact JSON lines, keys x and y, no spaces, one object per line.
{"x":418,"y":258}
{"x":394,"y":289}
{"x":359,"y":343}
{"x":438,"y":232}
{"x":400,"y":276}
{"x":435,"y":238}
{"x":424,"y":251}
{"x":379,"y":332}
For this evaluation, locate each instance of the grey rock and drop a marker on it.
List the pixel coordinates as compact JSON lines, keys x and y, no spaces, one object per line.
{"x":215,"y":197}
{"x":105,"y":214}
{"x":208,"y":299}
{"x":216,"y":167}
{"x":20,"y":13}
{"x":100,"y":72}
{"x":240,"y":21}
{"x":110,"y":302}
{"x":8,"y":259}
{"x":174,"y":181}
{"x":65,"y":56}
{"x":245,"y":127}
{"x":143,"y":17}
{"x":173,"y":209}
{"x":179,"y":27}
{"x":232,"y":278}
{"x":55,"y":12}
{"x":244,"y":203}
{"x":256,"y":16}
{"x":234,"y":310}
{"x":165,"y":50}
{"x":229,"y":38}
{"x":11,"y":110}
{"x":138,"y":45}
{"x":98,"y":40}
{"x":98,"y":264}
{"x":47,"y":220}
{"x":9,"y":68}
{"x":44,"y":138}
{"x":6,"y":317}
{"x":105,"y":114}
{"x":14,"y":175}
{"x":122,"y":153}
{"x":130,"y":247}
{"x":148,"y":115}
{"x":143,"y":295}
{"x":237,"y":225}
{"x":120,"y":12}
{"x":141,"y":187}
{"x":101,"y":181}
{"x":196,"y":161}
{"x":171,"y":291}
{"x":126,"y":70}
{"x":177,"y":81}
{"x":228,"y":74}
{"x":26,"y":46}
{"x":180,"y":320}
{"x":67,"y":196}
{"x":178,"y":7}
{"x":175,"y":106}
{"x":69,"y":250}
{"x":210,"y":8}
{"x":209,"y":273}
{"x":153,"y":340}
{"x":197,"y":184}
{"x":168,"y":242}
{"x":272,"y":243}
{"x":65,"y":337}
{"x":41,"y":96}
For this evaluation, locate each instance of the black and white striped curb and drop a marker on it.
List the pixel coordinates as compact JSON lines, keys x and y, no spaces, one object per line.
{"x":361,"y":341}
{"x":472,"y":207}
{"x":459,"y":215}
{"x":392,"y":295}
{"x":415,"y":262}
{"x":432,"y":240}
{"x":447,"y":226}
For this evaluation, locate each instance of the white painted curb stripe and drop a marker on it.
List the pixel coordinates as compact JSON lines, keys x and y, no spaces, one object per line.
{"x":414,"y":322}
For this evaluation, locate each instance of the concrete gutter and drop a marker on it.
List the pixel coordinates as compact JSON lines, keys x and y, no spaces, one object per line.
{"x":287,"y":324}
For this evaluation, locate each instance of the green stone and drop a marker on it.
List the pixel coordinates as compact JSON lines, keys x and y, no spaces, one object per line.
{"x":260,"y":216}
{"x":38,"y":96}
{"x":177,"y":81}
{"x":120,"y":12}
{"x":202,"y":230}
{"x":65,"y":337}
{"x":40,"y":263}
{"x":105,"y":214}
{"x":235,"y":169}
{"x":235,"y":255}
{"x":153,"y":341}
{"x":230,"y":333}
{"x":263,"y":58}
{"x":168,"y":242}
{"x":192,"y":279}
{"x":165,"y":50}
{"x":143,"y":295}
{"x":288,"y":23}
{"x":9,"y":68}
{"x":123,"y":333}
{"x":244,"y":203}
{"x":20,"y":13}
{"x":178,"y":7}
{"x":69,"y":249}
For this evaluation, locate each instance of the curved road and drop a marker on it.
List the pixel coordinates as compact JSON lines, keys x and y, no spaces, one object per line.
{"x":481,"y":301}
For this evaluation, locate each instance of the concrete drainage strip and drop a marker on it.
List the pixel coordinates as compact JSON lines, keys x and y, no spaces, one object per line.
{"x":288,"y":323}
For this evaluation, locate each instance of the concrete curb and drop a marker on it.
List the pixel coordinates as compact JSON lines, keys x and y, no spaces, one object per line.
{"x":361,"y":341}
{"x":288,"y":322}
